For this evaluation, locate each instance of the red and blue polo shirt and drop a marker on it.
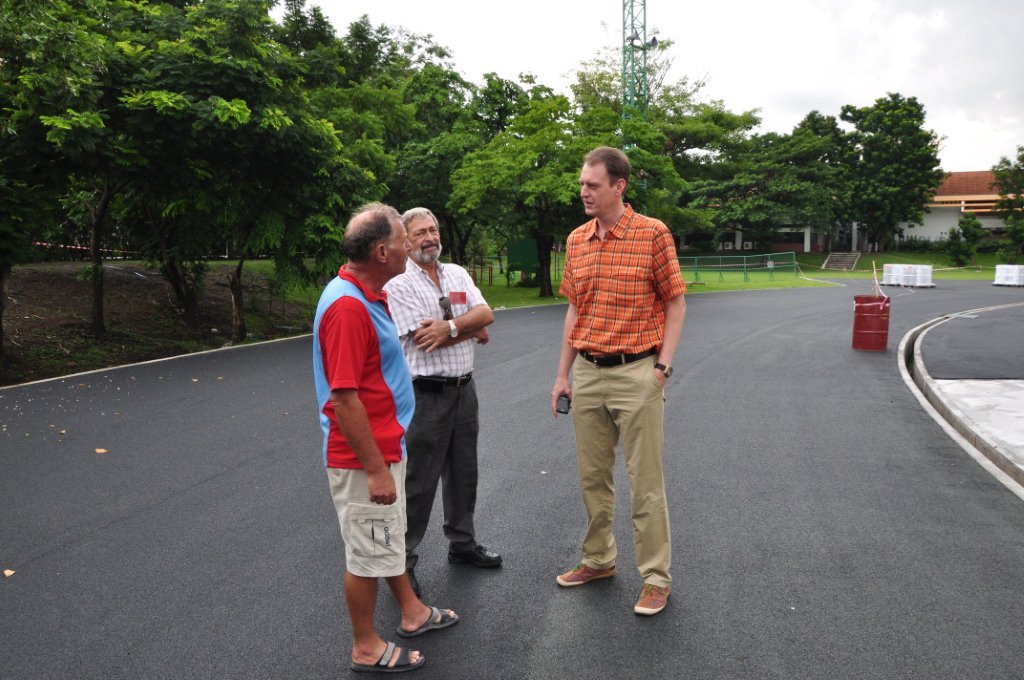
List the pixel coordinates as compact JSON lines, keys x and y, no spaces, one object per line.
{"x":355,"y":346}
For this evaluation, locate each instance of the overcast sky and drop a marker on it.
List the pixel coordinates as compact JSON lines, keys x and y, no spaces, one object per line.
{"x":962,"y":60}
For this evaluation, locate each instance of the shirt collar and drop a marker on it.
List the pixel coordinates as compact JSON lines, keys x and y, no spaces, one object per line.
{"x":412,"y":263}
{"x":618,"y":230}
{"x":367,"y":293}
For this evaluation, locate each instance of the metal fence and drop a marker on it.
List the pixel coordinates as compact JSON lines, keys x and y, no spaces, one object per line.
{"x":720,"y":265}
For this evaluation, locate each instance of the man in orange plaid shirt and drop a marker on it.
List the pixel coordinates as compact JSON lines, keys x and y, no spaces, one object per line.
{"x":625,"y":316}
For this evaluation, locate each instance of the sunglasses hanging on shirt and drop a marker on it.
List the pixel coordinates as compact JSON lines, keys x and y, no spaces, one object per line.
{"x":446,"y":307}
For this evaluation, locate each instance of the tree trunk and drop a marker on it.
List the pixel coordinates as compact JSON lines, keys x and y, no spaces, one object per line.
{"x":544,"y":243}
{"x":449,"y":239}
{"x":99,"y":214}
{"x":5,"y":274}
{"x":455,"y":241}
{"x":173,"y":269}
{"x":238,"y":329}
{"x":96,"y":278}
{"x":184,"y":291}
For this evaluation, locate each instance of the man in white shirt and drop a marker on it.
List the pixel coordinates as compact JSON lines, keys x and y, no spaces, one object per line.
{"x":440,"y":314}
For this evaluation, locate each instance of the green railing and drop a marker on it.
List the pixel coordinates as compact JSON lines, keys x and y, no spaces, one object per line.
{"x":772,"y":264}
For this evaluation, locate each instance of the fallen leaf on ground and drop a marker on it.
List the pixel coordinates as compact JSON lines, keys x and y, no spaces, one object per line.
{"x":8,"y":573}
{"x":101,"y":450}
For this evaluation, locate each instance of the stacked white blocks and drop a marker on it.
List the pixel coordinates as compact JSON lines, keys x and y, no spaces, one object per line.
{"x":1009,"y":275}
{"x":913,"y":275}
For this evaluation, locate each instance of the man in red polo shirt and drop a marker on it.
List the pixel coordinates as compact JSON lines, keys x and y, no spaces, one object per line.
{"x":625,"y":316}
{"x":366,"y":403}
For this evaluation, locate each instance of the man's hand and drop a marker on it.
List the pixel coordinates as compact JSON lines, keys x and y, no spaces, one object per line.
{"x":482,"y":337}
{"x":660,"y":377}
{"x":561,"y":387}
{"x":382,"y":487}
{"x":431,"y":334}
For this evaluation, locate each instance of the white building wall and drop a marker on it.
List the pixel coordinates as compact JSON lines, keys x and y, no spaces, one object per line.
{"x":939,"y":221}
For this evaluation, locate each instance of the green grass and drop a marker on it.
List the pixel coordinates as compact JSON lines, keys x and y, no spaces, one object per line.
{"x":984,"y":270}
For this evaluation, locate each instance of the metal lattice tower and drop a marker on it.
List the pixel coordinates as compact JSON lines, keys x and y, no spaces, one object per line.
{"x":635,"y":90}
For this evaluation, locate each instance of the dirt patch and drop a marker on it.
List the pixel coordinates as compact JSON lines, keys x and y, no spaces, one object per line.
{"x":48,"y":308}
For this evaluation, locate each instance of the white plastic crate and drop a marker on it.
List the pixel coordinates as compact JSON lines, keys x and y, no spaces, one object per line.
{"x":913,"y":275}
{"x":1009,"y":275}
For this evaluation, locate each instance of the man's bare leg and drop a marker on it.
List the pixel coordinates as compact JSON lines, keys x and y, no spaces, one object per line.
{"x":414,"y":612}
{"x":361,"y":598}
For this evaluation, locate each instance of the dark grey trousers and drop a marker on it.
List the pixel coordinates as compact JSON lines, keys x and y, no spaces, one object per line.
{"x":441,"y":445}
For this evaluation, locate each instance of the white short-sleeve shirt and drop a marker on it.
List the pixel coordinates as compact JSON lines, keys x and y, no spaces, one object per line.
{"x":413,"y":297}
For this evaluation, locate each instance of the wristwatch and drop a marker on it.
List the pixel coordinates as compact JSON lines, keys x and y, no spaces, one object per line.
{"x":453,"y":331}
{"x":667,"y":370}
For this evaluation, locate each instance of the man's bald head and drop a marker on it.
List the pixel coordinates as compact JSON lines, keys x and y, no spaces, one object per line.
{"x":370,"y":225}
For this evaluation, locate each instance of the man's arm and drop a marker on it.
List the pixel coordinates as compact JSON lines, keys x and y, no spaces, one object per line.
{"x":434,"y":333}
{"x":355,"y":426}
{"x":675,"y":314}
{"x":566,"y":356}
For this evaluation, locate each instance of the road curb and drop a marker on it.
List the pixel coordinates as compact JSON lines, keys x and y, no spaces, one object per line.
{"x":915,"y":374}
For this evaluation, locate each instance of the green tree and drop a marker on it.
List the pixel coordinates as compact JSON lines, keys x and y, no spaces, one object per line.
{"x":692,"y":133}
{"x":65,"y":67}
{"x":238,"y":155}
{"x":445,"y":133}
{"x":19,"y":210}
{"x":963,"y":240}
{"x":1009,"y":182}
{"x":599,"y":79}
{"x":895,"y":166}
{"x":778,"y":181}
{"x":833,"y":192}
{"x":304,"y":30}
{"x":526,"y":177}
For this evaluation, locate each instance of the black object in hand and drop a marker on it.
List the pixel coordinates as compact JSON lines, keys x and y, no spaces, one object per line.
{"x":562,"y":406}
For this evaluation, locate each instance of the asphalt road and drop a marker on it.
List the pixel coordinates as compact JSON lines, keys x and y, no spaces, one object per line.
{"x":824,"y":526}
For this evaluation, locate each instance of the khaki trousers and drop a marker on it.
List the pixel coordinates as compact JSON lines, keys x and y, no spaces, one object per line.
{"x":624,"y":402}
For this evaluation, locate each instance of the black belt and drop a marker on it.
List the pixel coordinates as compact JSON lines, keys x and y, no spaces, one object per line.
{"x":437,"y":383}
{"x":606,"y":360}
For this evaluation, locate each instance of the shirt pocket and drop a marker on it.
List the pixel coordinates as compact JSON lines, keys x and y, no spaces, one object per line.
{"x":629,"y":282}
{"x":374,"y":530}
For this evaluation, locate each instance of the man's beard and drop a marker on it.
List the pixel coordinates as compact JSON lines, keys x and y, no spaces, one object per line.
{"x":426,"y":258}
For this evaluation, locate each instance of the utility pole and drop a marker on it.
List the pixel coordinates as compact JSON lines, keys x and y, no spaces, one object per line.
{"x":635,"y":89}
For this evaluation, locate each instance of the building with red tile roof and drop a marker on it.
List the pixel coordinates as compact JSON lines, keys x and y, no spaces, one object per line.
{"x":970,"y":191}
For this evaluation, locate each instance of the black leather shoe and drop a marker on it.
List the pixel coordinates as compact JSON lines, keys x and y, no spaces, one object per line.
{"x":412,"y":581}
{"x":478,"y":557}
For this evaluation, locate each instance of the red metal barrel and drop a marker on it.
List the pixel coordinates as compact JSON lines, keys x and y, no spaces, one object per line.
{"x":871,"y":322}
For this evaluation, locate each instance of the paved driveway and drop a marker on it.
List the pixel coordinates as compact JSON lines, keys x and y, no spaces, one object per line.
{"x":824,"y":526}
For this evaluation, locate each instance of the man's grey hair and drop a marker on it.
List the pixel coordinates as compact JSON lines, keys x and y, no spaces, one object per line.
{"x":369,"y":225}
{"x":412,"y":213}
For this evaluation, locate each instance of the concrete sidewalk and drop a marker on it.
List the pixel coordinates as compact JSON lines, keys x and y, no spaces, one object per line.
{"x":970,"y":366}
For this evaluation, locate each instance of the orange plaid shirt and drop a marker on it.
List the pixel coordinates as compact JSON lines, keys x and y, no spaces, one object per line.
{"x":619,"y":286}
